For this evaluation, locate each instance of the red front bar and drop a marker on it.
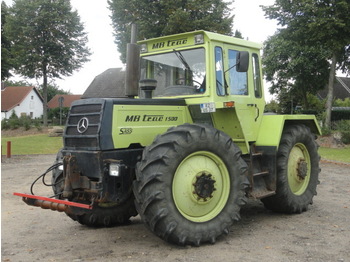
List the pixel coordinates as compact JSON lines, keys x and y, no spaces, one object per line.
{"x":64,"y":202}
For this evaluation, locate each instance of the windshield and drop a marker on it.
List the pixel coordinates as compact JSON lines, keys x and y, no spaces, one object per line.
{"x":177,"y":73}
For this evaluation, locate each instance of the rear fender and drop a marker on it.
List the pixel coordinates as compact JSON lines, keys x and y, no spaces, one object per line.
{"x":272,"y":126}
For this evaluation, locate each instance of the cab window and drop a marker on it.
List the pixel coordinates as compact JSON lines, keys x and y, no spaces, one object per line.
{"x":238,"y":80}
{"x":219,"y":69}
{"x":256,"y":75}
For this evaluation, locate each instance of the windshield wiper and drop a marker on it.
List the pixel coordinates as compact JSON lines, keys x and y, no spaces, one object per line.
{"x":182,"y":59}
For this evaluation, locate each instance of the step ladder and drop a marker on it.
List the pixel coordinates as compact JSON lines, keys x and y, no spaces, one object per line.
{"x":261,"y":182}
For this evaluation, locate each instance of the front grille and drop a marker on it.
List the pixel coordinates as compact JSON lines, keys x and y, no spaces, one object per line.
{"x":72,"y":130}
{"x":77,"y":143}
{"x":86,"y":109}
{"x":93,"y":119}
{"x":89,"y":138}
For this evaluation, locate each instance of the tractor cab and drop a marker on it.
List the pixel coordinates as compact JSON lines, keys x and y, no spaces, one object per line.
{"x":217,"y":75}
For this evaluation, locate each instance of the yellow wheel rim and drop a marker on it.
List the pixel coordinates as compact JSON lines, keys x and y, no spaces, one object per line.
{"x":201,"y":186}
{"x":299,"y":169}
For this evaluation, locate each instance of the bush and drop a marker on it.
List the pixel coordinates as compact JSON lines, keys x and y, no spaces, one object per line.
{"x":24,"y":121}
{"x":37,"y":124}
{"x":5,"y":125}
{"x":14,"y":123}
{"x":326,"y":130}
{"x":345,"y":137}
{"x":343,"y":126}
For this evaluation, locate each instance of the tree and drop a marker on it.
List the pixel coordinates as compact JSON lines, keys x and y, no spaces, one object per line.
{"x":323,"y":25}
{"x":272,"y":107}
{"x":52,"y":90}
{"x":48,"y":40}
{"x":17,"y":83}
{"x":298,"y":69}
{"x":158,"y":18}
{"x":6,"y":64}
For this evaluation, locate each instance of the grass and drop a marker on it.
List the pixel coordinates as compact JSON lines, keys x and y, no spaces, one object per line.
{"x":32,"y":144}
{"x":337,"y":154}
{"x":43,"y":144}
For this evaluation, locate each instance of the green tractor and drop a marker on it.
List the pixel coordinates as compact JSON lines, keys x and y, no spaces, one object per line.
{"x":188,"y":145}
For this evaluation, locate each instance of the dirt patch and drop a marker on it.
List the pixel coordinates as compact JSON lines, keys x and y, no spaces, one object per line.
{"x":331,"y":141}
{"x":33,"y":234}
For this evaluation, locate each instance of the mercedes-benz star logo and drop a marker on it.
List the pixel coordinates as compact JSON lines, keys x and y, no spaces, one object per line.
{"x":83,"y":125}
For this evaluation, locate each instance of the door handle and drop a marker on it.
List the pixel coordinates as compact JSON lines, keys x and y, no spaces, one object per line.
{"x":257,"y":108}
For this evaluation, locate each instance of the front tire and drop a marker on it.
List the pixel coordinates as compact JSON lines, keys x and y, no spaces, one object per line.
{"x":190,"y":184}
{"x":297,"y":171}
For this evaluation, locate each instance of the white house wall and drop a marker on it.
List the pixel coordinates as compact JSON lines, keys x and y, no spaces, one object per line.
{"x":4,"y":115}
{"x":30,"y":106}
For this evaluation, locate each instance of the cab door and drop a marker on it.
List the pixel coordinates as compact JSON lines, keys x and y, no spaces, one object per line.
{"x":245,"y":89}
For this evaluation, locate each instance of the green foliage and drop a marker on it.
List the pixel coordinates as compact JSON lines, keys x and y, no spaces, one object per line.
{"x":297,"y":69}
{"x":315,"y":103}
{"x":326,"y":130}
{"x":52,"y":90}
{"x":54,"y":114}
{"x":13,"y":123}
{"x":24,"y":121}
{"x":343,"y":126}
{"x":316,"y":107}
{"x":17,"y":83}
{"x":297,"y":57}
{"x":5,"y":125}
{"x":13,"y":115}
{"x":272,"y":107}
{"x":6,"y":63}
{"x":238,"y":34}
{"x":48,"y":40}
{"x":158,"y":18}
{"x":342,"y":102}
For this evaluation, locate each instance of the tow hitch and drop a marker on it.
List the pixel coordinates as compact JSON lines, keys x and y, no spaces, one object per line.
{"x":50,"y":203}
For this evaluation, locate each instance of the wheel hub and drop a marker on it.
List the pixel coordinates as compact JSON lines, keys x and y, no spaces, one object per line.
{"x":302,"y":169}
{"x":204,"y":186}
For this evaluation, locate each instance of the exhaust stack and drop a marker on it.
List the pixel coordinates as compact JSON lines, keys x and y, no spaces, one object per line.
{"x":132,"y":73}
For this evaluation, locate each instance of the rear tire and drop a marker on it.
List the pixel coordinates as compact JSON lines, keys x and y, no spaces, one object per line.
{"x":190,"y":184}
{"x":297,"y":171}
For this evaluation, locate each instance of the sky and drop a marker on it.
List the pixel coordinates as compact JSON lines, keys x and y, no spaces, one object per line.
{"x":249,"y":20}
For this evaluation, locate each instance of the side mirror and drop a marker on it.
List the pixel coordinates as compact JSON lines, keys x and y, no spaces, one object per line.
{"x":242,"y":59}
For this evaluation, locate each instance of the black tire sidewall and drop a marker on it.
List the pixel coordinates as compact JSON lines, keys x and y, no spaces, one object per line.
{"x":285,"y":200}
{"x":199,"y":138}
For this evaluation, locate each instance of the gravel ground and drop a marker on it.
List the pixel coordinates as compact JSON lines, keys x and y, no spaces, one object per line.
{"x":33,"y":234}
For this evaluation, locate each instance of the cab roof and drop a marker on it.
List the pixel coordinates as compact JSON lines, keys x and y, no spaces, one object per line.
{"x":208,"y":36}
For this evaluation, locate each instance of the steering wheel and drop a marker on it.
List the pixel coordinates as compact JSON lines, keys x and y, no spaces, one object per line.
{"x":182,"y":78}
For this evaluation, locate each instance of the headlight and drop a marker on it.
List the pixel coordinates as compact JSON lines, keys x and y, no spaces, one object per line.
{"x":114,"y":169}
{"x":144,"y":48}
{"x":199,"y":39}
